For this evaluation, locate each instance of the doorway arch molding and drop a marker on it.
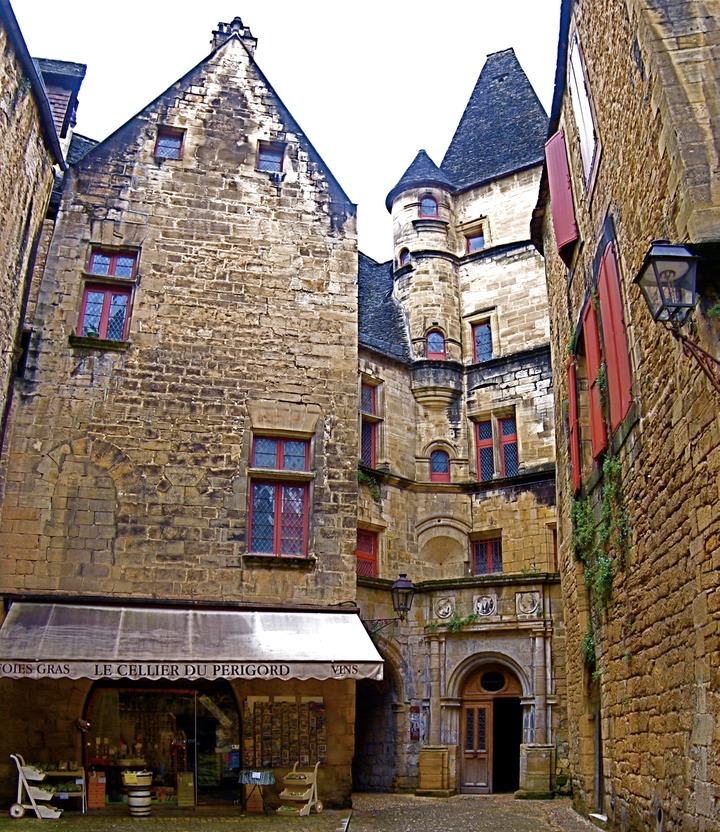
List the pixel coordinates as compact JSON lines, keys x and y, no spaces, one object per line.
{"x":471,"y":664}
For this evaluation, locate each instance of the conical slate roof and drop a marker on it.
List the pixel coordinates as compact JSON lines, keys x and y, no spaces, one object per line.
{"x":422,"y":171}
{"x":503,"y":128}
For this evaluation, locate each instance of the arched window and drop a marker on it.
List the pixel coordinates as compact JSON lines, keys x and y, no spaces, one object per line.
{"x":428,"y":207}
{"x":439,"y":466}
{"x":404,"y":257}
{"x":435,"y":344}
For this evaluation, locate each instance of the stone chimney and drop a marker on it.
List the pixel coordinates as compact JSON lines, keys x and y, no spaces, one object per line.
{"x":225,"y":31}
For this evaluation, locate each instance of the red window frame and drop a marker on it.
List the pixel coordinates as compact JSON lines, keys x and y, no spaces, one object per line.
{"x":591,"y":338}
{"x":114,"y":265}
{"x":478,"y":328}
{"x":487,"y":556}
{"x":270,"y":157}
{"x":474,"y":242}
{"x":283,"y":531}
{"x":485,"y":451}
{"x":104,"y":321}
{"x":436,"y":354}
{"x":429,"y":207}
{"x":368,"y":426}
{"x":507,"y":430}
{"x":169,"y":143}
{"x":366,"y":550}
{"x":439,"y":466}
{"x":617,"y":355}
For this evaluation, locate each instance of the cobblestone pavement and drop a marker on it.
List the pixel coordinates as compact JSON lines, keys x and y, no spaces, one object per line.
{"x":370,"y":813}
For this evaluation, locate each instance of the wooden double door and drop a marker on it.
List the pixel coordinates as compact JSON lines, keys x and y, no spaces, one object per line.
{"x":491,"y":732}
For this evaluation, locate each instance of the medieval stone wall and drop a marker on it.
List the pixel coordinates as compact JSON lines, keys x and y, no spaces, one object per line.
{"x":127,"y":470}
{"x":646,"y":708}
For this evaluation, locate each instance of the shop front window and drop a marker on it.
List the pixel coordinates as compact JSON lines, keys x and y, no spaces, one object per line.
{"x":189,"y":738}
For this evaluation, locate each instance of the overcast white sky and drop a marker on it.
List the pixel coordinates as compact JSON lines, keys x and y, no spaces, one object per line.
{"x":370,"y":82}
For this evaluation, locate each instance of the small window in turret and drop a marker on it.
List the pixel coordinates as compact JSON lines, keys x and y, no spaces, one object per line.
{"x":435,"y":345}
{"x":428,"y":207}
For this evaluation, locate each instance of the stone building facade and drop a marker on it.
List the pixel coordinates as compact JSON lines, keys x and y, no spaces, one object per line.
{"x":188,"y":543}
{"x":632,"y":158}
{"x":457,"y":474}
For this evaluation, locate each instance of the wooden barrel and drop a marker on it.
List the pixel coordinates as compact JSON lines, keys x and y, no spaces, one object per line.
{"x":139,"y":802}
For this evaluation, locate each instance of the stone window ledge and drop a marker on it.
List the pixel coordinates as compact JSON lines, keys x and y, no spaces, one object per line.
{"x":281,"y":561}
{"x":98,"y":343}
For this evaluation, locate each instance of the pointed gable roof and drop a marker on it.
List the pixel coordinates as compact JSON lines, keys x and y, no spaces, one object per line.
{"x":422,"y":171}
{"x":503,"y":128}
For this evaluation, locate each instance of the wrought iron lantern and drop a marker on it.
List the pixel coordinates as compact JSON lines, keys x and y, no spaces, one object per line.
{"x":402,"y":593}
{"x":667,"y":280}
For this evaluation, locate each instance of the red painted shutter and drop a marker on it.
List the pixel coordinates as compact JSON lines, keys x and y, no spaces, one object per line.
{"x":614,"y":339}
{"x":563,"y":210}
{"x":573,"y":418}
{"x":598,"y":434}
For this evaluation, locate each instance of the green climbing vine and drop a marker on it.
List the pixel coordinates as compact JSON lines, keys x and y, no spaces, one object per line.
{"x":372,"y":484}
{"x":600,"y":540}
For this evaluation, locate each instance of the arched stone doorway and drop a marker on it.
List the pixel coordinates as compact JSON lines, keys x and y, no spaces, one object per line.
{"x":490,"y":731}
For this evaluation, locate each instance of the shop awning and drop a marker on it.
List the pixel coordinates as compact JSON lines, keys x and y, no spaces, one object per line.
{"x":65,"y":641}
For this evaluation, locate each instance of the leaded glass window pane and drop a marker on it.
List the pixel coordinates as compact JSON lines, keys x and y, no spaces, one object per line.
{"x":439,"y":462}
{"x":92,"y":314}
{"x":367,"y":399}
{"x":265,"y":455}
{"x":510,"y":459}
{"x":436,"y":342}
{"x":263,"y":518}
{"x":100,"y":263}
{"x":270,"y":159}
{"x":367,"y":444}
{"x":294,"y":454}
{"x":293,"y":520}
{"x":496,"y":556}
{"x":116,"y":319}
{"x":124,"y":266}
{"x":168,"y":146}
{"x":483,"y":342}
{"x":428,"y":207}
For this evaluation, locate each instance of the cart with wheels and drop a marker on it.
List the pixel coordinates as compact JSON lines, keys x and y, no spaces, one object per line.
{"x":29,"y":794}
{"x":300,"y":787}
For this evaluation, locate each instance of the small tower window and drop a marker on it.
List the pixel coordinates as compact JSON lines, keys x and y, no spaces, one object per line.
{"x":435,"y":345}
{"x":404,"y":257}
{"x":439,"y":466}
{"x":428,"y":207}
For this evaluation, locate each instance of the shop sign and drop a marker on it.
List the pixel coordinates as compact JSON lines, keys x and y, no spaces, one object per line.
{"x":186,"y":670}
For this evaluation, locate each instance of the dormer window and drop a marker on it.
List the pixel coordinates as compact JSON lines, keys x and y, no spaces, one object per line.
{"x":435,"y":345}
{"x":428,"y":207}
{"x":270,"y":157}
